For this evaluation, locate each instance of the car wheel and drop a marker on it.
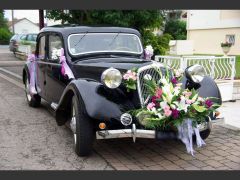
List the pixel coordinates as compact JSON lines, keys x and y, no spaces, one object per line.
{"x":82,"y":127}
{"x":204,"y":134}
{"x":33,"y":101}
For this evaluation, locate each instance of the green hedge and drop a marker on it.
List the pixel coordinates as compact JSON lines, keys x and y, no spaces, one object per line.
{"x":5,"y":36}
{"x":238,"y":67}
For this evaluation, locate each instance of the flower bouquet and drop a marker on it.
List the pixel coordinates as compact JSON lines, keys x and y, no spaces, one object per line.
{"x":173,"y":108}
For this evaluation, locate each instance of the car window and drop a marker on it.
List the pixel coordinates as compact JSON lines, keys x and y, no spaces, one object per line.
{"x":41,"y":47}
{"x":14,"y":37}
{"x":55,"y":45}
{"x":23,"y":37}
{"x":104,"y":42}
{"x":31,"y":37}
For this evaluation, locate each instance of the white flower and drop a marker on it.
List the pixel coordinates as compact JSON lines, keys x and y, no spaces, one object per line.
{"x":149,"y":49}
{"x":163,"y":104}
{"x":164,"y":81}
{"x":183,"y":105}
{"x":160,"y":115}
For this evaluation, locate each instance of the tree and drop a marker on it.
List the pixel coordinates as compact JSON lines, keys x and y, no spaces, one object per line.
{"x":145,"y":21}
{"x":5,"y":34}
{"x":3,"y":21}
{"x":177,"y":29}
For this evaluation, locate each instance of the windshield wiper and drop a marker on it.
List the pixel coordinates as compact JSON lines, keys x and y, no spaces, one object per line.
{"x":80,"y":39}
{"x":113,"y":39}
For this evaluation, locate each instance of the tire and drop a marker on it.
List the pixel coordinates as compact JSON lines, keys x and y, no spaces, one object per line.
{"x":33,"y":101}
{"x":83,"y":131}
{"x":204,"y":134}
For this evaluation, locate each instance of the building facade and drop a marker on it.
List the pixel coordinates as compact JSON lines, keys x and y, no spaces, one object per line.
{"x":23,"y":26}
{"x":209,"y":28}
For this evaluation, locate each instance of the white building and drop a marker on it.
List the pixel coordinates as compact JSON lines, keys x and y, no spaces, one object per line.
{"x":23,"y":26}
{"x":209,"y":28}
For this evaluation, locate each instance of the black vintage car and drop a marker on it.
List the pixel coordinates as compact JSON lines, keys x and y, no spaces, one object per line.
{"x":95,"y":103}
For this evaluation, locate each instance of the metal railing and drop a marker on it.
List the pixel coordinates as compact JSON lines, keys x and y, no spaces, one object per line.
{"x":219,"y":68}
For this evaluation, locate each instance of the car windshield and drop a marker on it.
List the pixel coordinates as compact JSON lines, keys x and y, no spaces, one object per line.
{"x":85,"y":43}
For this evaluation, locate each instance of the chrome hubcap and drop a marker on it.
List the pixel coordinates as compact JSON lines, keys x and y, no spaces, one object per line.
{"x":73,"y":125}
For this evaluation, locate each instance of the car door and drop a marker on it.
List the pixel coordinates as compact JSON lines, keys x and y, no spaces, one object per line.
{"x":55,"y":82}
{"x":41,"y":65}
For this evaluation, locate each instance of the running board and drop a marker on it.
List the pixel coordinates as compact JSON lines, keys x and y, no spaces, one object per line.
{"x":54,"y":105}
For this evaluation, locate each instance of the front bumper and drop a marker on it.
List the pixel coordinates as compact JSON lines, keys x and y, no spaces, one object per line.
{"x":141,"y":133}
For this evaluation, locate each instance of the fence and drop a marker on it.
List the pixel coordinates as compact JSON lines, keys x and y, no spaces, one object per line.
{"x":221,"y":69}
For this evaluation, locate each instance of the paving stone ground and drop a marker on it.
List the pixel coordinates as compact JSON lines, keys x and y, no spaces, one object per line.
{"x":222,"y":152}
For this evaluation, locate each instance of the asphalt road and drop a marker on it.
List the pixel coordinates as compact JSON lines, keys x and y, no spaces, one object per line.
{"x":31,"y":140}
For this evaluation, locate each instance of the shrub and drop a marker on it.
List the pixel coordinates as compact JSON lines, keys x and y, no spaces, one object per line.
{"x":160,"y":43}
{"x":177,"y":29}
{"x":5,"y":36}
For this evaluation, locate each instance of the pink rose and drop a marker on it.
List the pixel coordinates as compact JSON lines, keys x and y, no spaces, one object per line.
{"x":166,"y":108}
{"x":167,"y":112}
{"x":158,"y":93}
{"x":126,"y":76}
{"x":130,"y":75}
{"x":189,"y":101}
{"x":187,"y":94}
{"x":150,"y":106}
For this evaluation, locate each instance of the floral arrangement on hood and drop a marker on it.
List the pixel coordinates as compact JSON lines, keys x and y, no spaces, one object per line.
{"x":172,"y":107}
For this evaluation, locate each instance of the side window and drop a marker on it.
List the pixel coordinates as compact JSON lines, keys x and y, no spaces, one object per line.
{"x":41,"y":47}
{"x":55,"y":45}
{"x":23,"y":37}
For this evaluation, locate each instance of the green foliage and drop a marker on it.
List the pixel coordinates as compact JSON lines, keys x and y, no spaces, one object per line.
{"x":177,"y":29}
{"x":5,"y":34}
{"x":145,"y":21}
{"x":160,"y":43}
{"x":3,"y":21}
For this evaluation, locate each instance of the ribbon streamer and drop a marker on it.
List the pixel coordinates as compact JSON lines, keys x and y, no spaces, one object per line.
{"x":185,"y":133}
{"x":32,"y":86}
{"x":65,"y":69}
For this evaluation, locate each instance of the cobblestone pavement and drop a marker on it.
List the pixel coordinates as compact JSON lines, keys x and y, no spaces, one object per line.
{"x":222,"y":152}
{"x":30,"y":139}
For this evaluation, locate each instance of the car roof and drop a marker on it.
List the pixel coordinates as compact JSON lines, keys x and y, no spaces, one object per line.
{"x":73,"y":29}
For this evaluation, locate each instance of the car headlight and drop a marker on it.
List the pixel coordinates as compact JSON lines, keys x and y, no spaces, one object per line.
{"x":112,"y":78}
{"x":195,"y":73}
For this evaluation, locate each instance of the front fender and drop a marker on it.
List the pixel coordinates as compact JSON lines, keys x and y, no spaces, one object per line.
{"x":208,"y":88}
{"x":100,"y":102}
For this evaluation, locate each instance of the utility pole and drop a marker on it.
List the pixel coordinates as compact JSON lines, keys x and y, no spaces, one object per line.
{"x":41,"y":19}
{"x":13,"y":29}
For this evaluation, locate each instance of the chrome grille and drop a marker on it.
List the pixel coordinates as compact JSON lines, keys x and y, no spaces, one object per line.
{"x":145,"y":71}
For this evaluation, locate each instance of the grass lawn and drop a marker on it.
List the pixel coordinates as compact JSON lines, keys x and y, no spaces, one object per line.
{"x":238,"y":67}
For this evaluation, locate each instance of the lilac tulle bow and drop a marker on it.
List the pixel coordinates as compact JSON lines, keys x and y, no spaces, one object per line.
{"x":32,"y":85}
{"x":65,"y":69}
{"x":185,"y":134}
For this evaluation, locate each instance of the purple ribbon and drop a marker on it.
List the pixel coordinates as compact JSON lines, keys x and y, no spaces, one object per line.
{"x":185,"y":133}
{"x":32,"y":86}
{"x":65,"y":69}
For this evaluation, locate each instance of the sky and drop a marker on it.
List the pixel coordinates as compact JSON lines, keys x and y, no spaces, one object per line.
{"x":32,"y":15}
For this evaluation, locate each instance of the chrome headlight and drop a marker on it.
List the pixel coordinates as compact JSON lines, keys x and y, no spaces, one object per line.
{"x":112,"y":78}
{"x":195,"y":73}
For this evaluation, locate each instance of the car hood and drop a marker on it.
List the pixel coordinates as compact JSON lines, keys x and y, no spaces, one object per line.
{"x":93,"y":68}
